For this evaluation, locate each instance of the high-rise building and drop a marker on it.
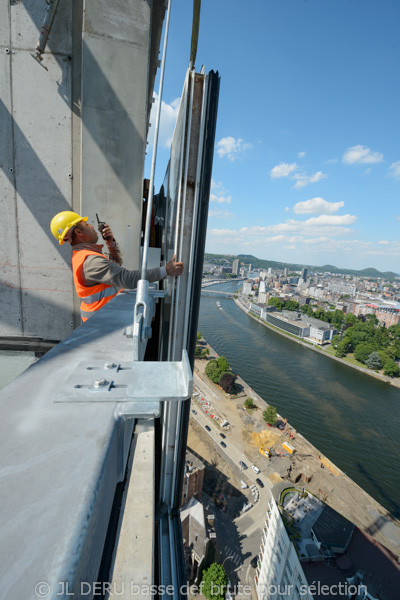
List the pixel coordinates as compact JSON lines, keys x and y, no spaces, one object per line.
{"x":304,"y":274}
{"x":236,"y":266}
{"x":279,"y":568}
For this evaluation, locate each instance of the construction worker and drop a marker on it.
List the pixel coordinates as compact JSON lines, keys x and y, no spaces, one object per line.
{"x":97,"y":277}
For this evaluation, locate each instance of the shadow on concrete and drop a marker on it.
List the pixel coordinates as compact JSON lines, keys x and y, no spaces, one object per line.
{"x":224,"y":495}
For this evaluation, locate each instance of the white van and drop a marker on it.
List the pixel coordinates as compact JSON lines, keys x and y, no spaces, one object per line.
{"x":256,"y":469}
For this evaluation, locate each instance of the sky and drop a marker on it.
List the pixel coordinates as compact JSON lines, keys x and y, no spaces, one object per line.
{"x":307,"y":156}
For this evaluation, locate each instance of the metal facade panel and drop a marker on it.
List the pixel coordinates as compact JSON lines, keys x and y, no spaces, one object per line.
{"x":114,"y":109}
{"x":10,"y":299}
{"x":42,"y":138}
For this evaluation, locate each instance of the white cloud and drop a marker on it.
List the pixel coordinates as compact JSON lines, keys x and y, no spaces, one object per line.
{"x":221,"y":214}
{"x":331,"y":161}
{"x":384,"y":243}
{"x":361,"y":155}
{"x":219,"y":194}
{"x":254,"y":229}
{"x":324,"y":224}
{"x":283,"y":170}
{"x":232,"y":148}
{"x":220,"y":199}
{"x":303,"y":179}
{"x":395,"y":170}
{"x":317,"y":206}
{"x":169,"y":113}
{"x":301,"y":154}
{"x":221,"y":232}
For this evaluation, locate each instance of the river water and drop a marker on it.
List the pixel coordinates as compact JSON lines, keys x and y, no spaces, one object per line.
{"x":350,"y":417}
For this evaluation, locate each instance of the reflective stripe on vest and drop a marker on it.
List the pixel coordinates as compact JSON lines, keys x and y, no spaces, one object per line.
{"x":110,"y":291}
{"x":86,"y":314}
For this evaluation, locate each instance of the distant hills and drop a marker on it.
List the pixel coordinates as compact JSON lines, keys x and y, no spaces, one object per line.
{"x":265,"y":264}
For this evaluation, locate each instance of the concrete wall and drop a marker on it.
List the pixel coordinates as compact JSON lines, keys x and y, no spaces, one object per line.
{"x":72,"y":131}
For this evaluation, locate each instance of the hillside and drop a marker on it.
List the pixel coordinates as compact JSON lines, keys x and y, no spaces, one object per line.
{"x":265,"y":264}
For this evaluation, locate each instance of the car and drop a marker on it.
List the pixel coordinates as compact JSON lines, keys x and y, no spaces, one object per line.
{"x":194,"y":412}
{"x":223,"y":444}
{"x":254,"y":561}
{"x":243,"y":465}
{"x":222,"y":435}
{"x":256,"y":469}
{"x":260,"y":483}
{"x":208,"y":428}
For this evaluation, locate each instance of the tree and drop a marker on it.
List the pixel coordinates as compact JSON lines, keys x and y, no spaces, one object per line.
{"x":214,"y":582}
{"x":391,"y":369}
{"x":249,"y":403}
{"x":198,"y":350}
{"x":269,"y":415}
{"x":227,"y":382}
{"x":216,"y":368}
{"x":363,"y":351}
{"x":223,"y":364}
{"x":291,"y":305}
{"x":307,"y":309}
{"x":335,"y":340}
{"x":374,"y":361}
{"x":394,"y":330}
{"x":319,"y":313}
{"x":212,"y":370}
{"x":371,"y":318}
{"x":350,"y":318}
{"x":205,"y":352}
{"x":343,"y":348}
{"x":198,"y":336}
{"x":277,"y":302}
{"x":337,"y":318}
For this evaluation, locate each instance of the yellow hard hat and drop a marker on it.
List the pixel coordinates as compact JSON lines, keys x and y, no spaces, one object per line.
{"x":62,"y":223}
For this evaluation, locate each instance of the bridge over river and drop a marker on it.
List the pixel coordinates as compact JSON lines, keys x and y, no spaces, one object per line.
{"x":216,"y":293}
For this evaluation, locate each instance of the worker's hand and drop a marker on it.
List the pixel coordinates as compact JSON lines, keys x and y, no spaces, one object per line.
{"x":174,"y":268}
{"x":107,"y":234}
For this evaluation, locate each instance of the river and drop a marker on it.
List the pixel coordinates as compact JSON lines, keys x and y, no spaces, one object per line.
{"x":350,"y":417}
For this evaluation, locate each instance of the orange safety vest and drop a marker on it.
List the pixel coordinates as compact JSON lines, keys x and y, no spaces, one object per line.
{"x":93,"y":297}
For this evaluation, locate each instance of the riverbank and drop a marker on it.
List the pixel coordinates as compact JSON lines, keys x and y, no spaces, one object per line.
{"x":307,"y":467}
{"x":392,"y":381}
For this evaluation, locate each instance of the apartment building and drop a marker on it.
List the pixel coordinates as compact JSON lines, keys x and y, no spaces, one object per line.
{"x":279,"y":573}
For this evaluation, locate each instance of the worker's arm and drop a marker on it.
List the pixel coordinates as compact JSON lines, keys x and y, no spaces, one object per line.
{"x":114,"y":252}
{"x":98,"y":269}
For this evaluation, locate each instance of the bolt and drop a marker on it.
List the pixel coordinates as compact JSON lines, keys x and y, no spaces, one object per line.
{"x":109,"y":365}
{"x":70,"y":175}
{"x":98,"y":383}
{"x":11,"y":170}
{"x":7,"y":50}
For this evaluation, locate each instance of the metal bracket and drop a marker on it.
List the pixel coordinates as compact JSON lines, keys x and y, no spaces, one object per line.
{"x":135,"y":381}
{"x":143,"y":314}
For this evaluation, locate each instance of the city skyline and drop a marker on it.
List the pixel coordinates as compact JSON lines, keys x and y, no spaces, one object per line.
{"x":306,"y":163}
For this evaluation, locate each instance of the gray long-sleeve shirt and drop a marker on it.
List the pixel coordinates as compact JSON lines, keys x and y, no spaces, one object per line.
{"x":98,"y":269}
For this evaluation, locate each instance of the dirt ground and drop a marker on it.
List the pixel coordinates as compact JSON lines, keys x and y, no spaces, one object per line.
{"x":307,"y":467}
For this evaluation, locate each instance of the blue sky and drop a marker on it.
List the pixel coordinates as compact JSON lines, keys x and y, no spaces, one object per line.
{"x":307,"y":156}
